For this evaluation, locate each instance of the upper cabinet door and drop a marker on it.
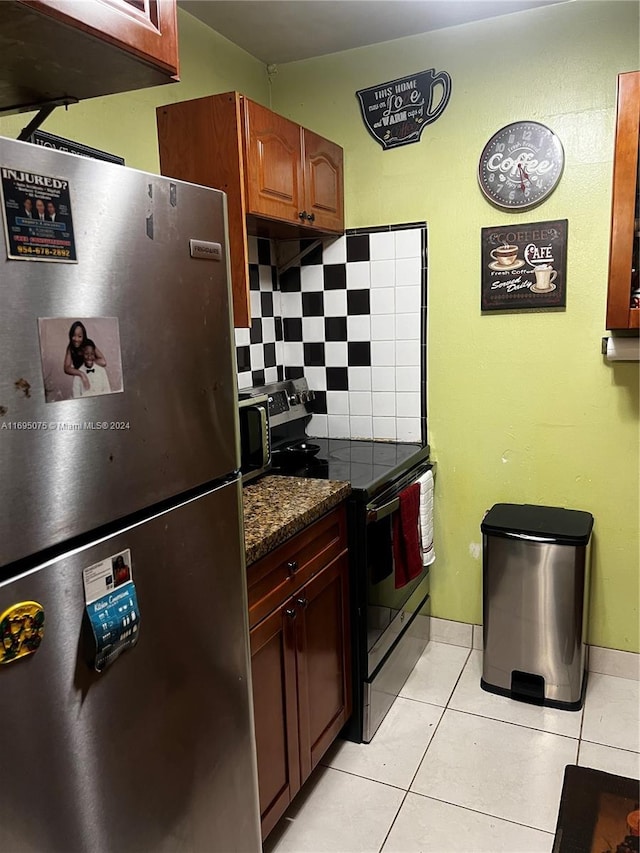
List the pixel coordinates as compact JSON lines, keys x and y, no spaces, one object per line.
{"x":146,"y":28}
{"x":625,"y":208}
{"x":273,"y":164}
{"x":323,"y":180}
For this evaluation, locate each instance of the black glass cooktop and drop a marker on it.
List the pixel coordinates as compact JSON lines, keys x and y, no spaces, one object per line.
{"x":367,"y":465}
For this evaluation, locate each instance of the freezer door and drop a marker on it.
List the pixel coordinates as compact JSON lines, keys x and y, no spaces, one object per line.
{"x":73,"y":464}
{"x":157,"y":752}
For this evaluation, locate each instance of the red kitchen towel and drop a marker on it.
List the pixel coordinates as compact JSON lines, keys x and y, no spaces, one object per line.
{"x":406,"y":543}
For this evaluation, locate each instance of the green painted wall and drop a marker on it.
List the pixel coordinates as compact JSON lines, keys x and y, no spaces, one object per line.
{"x":126,"y":124}
{"x":522,"y":407}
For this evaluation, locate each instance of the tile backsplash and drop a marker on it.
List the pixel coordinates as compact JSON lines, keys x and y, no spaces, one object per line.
{"x":350,"y":315}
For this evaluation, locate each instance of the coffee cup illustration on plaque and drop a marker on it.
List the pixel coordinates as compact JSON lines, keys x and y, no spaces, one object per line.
{"x":505,"y":257}
{"x":545,"y":276}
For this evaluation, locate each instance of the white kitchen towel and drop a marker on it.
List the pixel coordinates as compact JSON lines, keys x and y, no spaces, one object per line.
{"x":426,"y":518}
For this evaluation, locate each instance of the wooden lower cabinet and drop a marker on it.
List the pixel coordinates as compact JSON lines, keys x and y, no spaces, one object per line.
{"x":301,"y":671}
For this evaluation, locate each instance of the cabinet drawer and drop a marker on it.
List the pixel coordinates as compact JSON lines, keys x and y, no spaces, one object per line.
{"x":274,"y":578}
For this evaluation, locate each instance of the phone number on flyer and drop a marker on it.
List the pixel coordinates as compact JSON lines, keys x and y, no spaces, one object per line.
{"x":64,"y":426}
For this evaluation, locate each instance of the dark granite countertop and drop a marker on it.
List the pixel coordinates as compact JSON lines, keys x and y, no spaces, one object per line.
{"x":276,"y":508}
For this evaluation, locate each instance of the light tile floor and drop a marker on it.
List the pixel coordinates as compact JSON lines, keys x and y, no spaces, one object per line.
{"x":454,"y":768}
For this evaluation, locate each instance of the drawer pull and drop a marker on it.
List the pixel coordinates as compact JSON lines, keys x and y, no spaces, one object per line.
{"x":291,"y":613}
{"x":292,"y":567}
{"x":302,"y":601}
{"x":302,"y":215}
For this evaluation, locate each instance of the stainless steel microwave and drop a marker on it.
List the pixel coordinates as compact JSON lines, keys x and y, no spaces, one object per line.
{"x":255,"y":436}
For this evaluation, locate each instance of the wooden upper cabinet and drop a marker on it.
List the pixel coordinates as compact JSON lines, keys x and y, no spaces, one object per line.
{"x":282,"y":181}
{"x":274,"y":171}
{"x":624,"y":257}
{"x":56,"y":49}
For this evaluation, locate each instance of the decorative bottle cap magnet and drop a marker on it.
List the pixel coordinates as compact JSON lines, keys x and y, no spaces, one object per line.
{"x":21,"y":630}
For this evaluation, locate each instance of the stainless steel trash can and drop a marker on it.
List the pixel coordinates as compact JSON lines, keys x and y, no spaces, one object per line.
{"x":535,"y":572}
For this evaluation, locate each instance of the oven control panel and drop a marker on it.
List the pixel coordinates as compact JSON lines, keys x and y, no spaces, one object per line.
{"x":287,"y":400}
{"x":278,"y":403}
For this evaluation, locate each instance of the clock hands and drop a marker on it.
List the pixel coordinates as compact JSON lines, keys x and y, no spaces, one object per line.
{"x":523,"y":177}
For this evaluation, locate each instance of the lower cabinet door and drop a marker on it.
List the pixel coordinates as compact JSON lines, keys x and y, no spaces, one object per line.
{"x":324,"y":661}
{"x":273,"y":668}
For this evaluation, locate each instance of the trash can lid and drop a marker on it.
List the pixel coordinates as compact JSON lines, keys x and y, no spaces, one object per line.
{"x":564,"y":526}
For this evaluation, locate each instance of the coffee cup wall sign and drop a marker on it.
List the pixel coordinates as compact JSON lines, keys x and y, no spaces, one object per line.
{"x":524,"y":266}
{"x":521,"y":165}
{"x":397,"y":112}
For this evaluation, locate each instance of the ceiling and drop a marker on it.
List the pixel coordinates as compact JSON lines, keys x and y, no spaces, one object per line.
{"x":278,"y":31}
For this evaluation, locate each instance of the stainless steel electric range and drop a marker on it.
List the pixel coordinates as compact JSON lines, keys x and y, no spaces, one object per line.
{"x":389,"y":625}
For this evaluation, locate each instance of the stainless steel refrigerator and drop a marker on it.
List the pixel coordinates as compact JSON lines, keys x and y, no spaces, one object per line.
{"x":121,"y":502}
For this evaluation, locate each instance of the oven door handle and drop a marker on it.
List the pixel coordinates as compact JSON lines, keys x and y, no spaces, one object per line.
{"x":376,"y":513}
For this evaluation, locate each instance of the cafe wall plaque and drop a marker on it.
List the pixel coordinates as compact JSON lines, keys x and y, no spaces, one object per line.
{"x":524,"y":266}
{"x":397,"y":112}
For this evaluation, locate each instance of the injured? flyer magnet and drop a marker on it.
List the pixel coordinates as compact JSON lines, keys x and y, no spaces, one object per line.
{"x":38,"y":223}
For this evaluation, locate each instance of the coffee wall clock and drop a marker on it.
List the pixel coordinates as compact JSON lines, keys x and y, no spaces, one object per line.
{"x":521,"y":165}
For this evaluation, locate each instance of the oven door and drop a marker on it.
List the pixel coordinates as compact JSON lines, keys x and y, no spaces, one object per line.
{"x":255,"y":439}
{"x":390,"y":611}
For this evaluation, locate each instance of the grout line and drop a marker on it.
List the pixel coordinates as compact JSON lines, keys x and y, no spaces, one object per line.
{"x":609,"y":746}
{"x":395,"y":818}
{"x":362,"y":776}
{"x":510,"y":723}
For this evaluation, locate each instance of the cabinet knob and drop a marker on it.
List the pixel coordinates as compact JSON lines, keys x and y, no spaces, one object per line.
{"x":291,"y":613}
{"x":301,"y":602}
{"x":311,"y":217}
{"x":303,"y":214}
{"x":292,"y":567}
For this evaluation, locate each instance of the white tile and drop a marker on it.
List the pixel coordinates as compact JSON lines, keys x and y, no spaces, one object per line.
{"x":469,"y":696}
{"x":280,"y":352}
{"x":436,"y":673}
{"x":318,"y":426}
{"x":448,"y":631}
{"x":270,"y":375}
{"x":407,"y":404}
{"x":408,"y":429}
{"x":383,"y":327}
{"x":382,"y":246}
{"x":478,"y":642}
{"x":257,"y":356}
{"x":335,"y":252}
{"x":358,"y":277}
{"x":360,"y":402}
{"x":383,"y":353}
{"x":293,"y":353}
{"x":312,"y":277}
{"x":496,"y":768}
{"x":407,"y":327}
{"x":425,"y":825}
{"x":277,"y":303}
{"x":408,"y":243}
{"x":397,"y":748}
{"x":292,"y":304}
{"x":408,"y":300}
{"x":614,"y":662}
{"x":268,"y":330}
{"x":384,"y":428}
{"x":408,"y":272}
{"x":265,"y":277}
{"x":383,"y":300}
{"x":384,"y":403}
{"x":408,"y":353}
{"x":338,"y":426}
{"x":316,"y":377}
{"x":621,"y":762}
{"x":256,"y":304}
{"x":359,"y":378}
{"x":359,"y":327}
{"x":335,"y":353}
{"x":244,"y":380}
{"x":312,"y":329}
{"x":383,"y":273}
{"x":383,"y":378}
{"x":612,"y":711}
{"x":335,"y":303}
{"x":408,"y":379}
{"x":252,"y":245}
{"x":338,"y":402}
{"x":242,"y":337}
{"x":334,"y":813}
{"x":360,"y":426}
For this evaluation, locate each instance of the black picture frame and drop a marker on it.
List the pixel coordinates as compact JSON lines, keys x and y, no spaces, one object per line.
{"x":524,"y":266}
